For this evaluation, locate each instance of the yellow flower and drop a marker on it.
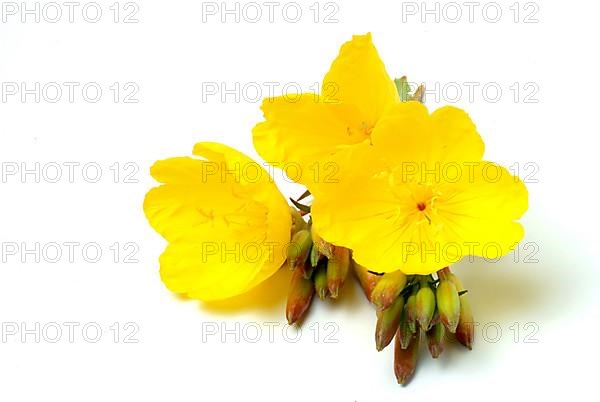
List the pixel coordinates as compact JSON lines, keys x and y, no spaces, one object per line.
{"x":311,"y":135}
{"x":226,"y":223}
{"x":434,"y":201}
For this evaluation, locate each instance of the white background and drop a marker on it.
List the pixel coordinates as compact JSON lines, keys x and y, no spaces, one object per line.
{"x":169,"y":54}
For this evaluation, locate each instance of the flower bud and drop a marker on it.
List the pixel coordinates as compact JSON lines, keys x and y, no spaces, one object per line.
{"x":411,"y":311}
{"x":320,"y":279}
{"x":323,"y":247}
{"x":387,"y":323}
{"x":367,"y":280}
{"x":405,"y":359}
{"x":387,"y":289}
{"x":315,"y":254}
{"x":307,"y":269}
{"x":448,"y":303}
{"x":337,"y":269}
{"x":299,"y":248}
{"x":404,"y":330}
{"x":300,"y":295}
{"x":298,"y":223}
{"x":435,"y":340}
{"x":425,"y":305}
{"x":465,"y":331}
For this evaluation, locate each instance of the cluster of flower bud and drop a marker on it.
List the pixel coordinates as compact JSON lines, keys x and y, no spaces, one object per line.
{"x":416,"y":306}
{"x":318,"y":267}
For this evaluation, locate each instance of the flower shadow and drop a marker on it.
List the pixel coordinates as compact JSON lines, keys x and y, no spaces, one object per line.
{"x":505,"y":289}
{"x":503,"y":293}
{"x":268,"y":299}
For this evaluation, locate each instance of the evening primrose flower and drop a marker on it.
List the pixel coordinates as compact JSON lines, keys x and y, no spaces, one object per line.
{"x":226,"y":223}
{"x":430,"y":200}
{"x":311,"y":135}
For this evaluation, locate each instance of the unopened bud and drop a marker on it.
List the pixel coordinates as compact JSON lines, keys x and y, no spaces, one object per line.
{"x":411,"y":311}
{"x":465,"y":331}
{"x":387,"y":289}
{"x":323,"y":247}
{"x":298,"y":223}
{"x":448,"y":303}
{"x":425,"y":304}
{"x":307,"y":269}
{"x":337,"y":269}
{"x":367,"y":280}
{"x":299,"y":248}
{"x":405,"y":332}
{"x":405,"y":359}
{"x":435,"y":340}
{"x":387,"y":323}
{"x":315,"y":254}
{"x":300,"y":295}
{"x":320,"y":279}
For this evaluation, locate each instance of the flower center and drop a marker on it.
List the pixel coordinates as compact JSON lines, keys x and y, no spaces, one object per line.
{"x":421,"y":206}
{"x":362,"y":132}
{"x":366,"y":129}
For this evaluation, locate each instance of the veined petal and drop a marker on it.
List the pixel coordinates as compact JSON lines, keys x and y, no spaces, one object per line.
{"x":311,"y":135}
{"x":215,"y":269}
{"x":362,"y":215}
{"x":306,"y":137}
{"x":190,"y":199}
{"x":408,"y":135}
{"x":474,"y":214}
{"x":227,"y":223}
{"x":431,"y":202}
{"x":361,"y":79}
{"x":480,"y":211}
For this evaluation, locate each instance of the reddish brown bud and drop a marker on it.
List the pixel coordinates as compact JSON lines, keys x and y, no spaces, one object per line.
{"x":387,"y":323}
{"x":465,"y":331}
{"x":435,"y":340}
{"x":300,"y":296}
{"x":320,"y":279}
{"x":387,"y":289}
{"x":367,"y":280}
{"x":405,"y":359}
{"x":337,"y":270}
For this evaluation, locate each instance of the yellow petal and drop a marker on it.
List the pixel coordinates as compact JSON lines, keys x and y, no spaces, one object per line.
{"x":187,"y":200}
{"x":227,"y":223}
{"x":215,"y":269}
{"x":362,"y":215}
{"x":419,"y":221}
{"x":312,"y":136}
{"x":475,"y":216}
{"x":307,"y":137}
{"x":480,"y":211}
{"x":408,"y":134}
{"x":361,"y":79}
